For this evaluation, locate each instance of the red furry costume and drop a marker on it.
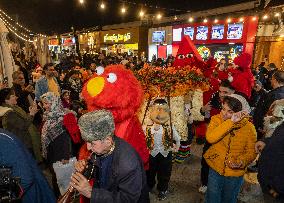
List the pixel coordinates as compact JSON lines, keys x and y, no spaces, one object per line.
{"x":243,"y":80}
{"x":188,"y":55}
{"x":117,"y":90}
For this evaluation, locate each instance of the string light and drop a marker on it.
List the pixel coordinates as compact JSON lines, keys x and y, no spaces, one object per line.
{"x":102,"y":6}
{"x":21,"y":27}
{"x":81,"y":1}
{"x":141,"y":13}
{"x":190,"y":19}
{"x":265,"y":17}
{"x":159,"y":16}
{"x":254,"y":18}
{"x":123,"y":10}
{"x":12,"y":29}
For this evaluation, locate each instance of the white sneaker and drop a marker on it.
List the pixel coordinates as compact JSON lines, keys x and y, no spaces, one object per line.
{"x":202,"y":189}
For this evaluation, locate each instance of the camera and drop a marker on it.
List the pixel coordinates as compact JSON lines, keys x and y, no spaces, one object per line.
{"x":10,"y":190}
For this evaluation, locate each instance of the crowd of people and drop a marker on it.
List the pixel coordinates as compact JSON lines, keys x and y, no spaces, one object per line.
{"x":244,"y":116}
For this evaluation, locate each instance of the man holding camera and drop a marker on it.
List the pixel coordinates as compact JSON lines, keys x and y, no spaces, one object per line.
{"x":120,"y":176}
{"x":28,"y":183}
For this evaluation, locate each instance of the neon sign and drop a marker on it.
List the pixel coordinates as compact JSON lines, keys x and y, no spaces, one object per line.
{"x":117,"y":37}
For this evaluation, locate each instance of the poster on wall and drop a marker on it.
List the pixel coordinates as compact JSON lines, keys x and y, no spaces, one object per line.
{"x":218,"y":51}
{"x":204,"y":51}
{"x":158,"y":36}
{"x":189,"y":31}
{"x":177,"y":34}
{"x":217,"y":32}
{"x":235,"y":31}
{"x":202,"y":33}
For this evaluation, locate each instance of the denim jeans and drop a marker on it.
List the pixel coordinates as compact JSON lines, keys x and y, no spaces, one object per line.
{"x":222,"y":189}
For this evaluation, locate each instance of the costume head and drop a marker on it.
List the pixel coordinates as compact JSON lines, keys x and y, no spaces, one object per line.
{"x":116,"y":89}
{"x":243,"y":61}
{"x":187,"y":53}
{"x":96,"y":125}
{"x":160,"y":111}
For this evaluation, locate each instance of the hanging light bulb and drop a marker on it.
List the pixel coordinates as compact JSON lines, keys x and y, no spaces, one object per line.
{"x":216,"y":20}
{"x":265,"y":17}
{"x":123,"y":10}
{"x":190,"y":19}
{"x":205,"y":20}
{"x":241,"y":19}
{"x":81,"y":1}
{"x":229,"y":20}
{"x":254,"y":18}
{"x":102,"y":5}
{"x":277,"y":14}
{"x":159,"y":16}
{"x":141,"y":13}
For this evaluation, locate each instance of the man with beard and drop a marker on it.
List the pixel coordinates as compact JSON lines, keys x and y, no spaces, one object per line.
{"x":48,"y":82}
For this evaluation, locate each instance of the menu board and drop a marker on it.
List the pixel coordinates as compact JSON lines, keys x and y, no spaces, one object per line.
{"x":177,"y":34}
{"x":217,"y":32}
{"x":235,"y":31}
{"x":189,"y":31}
{"x":202,"y":33}
{"x":158,"y":36}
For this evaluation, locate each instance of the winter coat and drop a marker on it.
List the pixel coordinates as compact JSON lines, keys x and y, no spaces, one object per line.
{"x":14,"y":154}
{"x":264,"y":105}
{"x":271,"y":162}
{"x":229,"y":141}
{"x":127,"y":180}
{"x":17,"y":121}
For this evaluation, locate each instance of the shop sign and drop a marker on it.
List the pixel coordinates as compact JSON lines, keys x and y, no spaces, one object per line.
{"x":117,"y":37}
{"x":53,"y":42}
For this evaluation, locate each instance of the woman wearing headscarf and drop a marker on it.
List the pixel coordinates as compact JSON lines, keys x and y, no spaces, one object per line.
{"x":233,"y":137}
{"x":59,"y":130}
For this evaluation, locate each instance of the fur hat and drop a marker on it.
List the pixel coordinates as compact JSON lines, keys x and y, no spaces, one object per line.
{"x":96,"y":125}
{"x":243,"y":60}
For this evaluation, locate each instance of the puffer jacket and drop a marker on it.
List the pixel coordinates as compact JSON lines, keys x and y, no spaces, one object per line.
{"x":230,"y":141}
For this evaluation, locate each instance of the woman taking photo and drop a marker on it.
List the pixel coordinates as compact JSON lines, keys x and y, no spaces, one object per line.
{"x":233,"y":137}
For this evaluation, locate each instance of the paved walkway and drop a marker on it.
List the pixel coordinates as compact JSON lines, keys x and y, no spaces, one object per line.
{"x":185,"y":182}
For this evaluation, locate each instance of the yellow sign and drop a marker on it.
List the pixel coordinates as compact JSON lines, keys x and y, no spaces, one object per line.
{"x":117,"y":37}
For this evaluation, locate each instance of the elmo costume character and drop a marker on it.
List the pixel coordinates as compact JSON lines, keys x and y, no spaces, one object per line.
{"x":117,"y":90}
{"x":242,"y":78}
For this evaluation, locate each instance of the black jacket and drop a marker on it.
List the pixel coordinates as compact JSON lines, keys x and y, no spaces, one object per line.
{"x":22,"y":95}
{"x":127,"y":181}
{"x":264,"y":105}
{"x":271,"y":162}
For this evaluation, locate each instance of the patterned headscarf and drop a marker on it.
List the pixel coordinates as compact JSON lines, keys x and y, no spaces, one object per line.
{"x":53,"y":120}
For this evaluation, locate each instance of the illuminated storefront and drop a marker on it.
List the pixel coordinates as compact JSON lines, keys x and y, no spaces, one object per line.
{"x":219,"y":39}
{"x":89,"y":42}
{"x":160,"y":42}
{"x":125,"y":40}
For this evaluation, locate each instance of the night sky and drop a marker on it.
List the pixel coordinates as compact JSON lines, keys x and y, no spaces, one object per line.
{"x":57,"y":16}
